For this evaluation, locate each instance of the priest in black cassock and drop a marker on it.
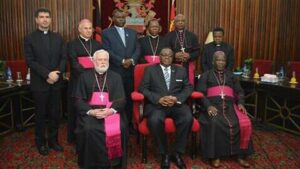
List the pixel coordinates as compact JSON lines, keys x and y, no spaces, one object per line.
{"x":82,"y":47}
{"x":225,"y":127}
{"x":184,"y":44}
{"x":101,"y":123}
{"x":45,"y":56}
{"x":217,"y":45}
{"x":151,"y":44}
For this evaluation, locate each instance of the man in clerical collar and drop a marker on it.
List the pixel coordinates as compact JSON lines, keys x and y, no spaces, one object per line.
{"x":151,"y":44}
{"x":80,"y":52}
{"x":45,"y":56}
{"x":217,"y":45}
{"x":101,"y":132}
{"x":184,"y":44}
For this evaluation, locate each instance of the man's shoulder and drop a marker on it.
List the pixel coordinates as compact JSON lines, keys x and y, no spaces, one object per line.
{"x":105,"y":31}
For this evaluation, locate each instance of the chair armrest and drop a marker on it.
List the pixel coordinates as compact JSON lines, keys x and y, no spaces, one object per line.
{"x":197,"y":95}
{"x":137,"y":96}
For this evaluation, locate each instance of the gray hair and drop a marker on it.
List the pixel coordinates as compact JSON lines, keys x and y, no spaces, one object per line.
{"x":217,"y":53}
{"x":100,"y":52}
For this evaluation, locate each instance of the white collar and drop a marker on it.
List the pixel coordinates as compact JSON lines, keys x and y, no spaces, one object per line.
{"x":163,"y":67}
{"x":86,"y":39}
{"x":121,"y":28}
{"x":154,"y":36}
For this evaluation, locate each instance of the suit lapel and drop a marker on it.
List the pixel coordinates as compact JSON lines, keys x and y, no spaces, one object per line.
{"x":116,"y":33}
{"x":161,"y":77}
{"x":173,"y":76}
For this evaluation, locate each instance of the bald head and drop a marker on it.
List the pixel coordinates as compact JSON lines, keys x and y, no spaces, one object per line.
{"x":179,"y":22}
{"x":85,"y":28}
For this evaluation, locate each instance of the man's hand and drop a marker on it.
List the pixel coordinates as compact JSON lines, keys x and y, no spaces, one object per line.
{"x":242,"y":108}
{"x":101,"y":113}
{"x":50,"y":81}
{"x":185,"y":57}
{"x":168,"y":101}
{"x":54,"y":75}
{"x":127,"y":63}
{"x":179,"y":57}
{"x":212,"y":111}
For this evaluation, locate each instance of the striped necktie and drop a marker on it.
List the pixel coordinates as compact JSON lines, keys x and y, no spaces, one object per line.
{"x":167,"y":77}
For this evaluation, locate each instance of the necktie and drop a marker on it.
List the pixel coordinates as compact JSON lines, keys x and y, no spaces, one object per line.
{"x":167,"y":77}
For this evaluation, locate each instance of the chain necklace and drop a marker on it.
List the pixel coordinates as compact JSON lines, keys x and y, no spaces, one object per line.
{"x":221,"y":87}
{"x":101,"y":90}
{"x":181,"y":41}
{"x":153,"y":51}
{"x":88,"y":52}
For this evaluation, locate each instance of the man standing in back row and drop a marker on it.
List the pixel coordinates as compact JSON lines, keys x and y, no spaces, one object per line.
{"x":217,"y":45}
{"x":184,"y":44}
{"x":80,"y":52}
{"x":124,"y":52}
{"x":46,"y":58}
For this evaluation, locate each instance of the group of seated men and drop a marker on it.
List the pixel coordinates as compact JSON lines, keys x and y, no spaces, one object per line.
{"x":100,"y":107}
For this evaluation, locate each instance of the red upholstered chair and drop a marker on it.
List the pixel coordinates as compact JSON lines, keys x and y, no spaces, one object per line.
{"x":17,"y":66}
{"x":263,"y":66}
{"x":141,"y":123}
{"x":294,"y":66}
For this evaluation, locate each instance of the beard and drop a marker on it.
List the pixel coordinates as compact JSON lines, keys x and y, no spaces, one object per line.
{"x":101,"y":69}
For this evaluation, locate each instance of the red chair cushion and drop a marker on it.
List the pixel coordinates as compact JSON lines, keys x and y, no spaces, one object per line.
{"x":136,"y":96}
{"x":169,"y":126}
{"x":196,"y":125}
{"x":138,"y":75}
{"x":197,"y":95}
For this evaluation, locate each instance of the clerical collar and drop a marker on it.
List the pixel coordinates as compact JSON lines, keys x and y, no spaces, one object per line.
{"x":220,"y":71}
{"x":220,"y":44}
{"x":44,"y":31}
{"x":153,"y":36}
{"x":83,"y":38}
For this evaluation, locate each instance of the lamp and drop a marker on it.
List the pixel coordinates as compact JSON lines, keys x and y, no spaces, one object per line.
{"x":209,"y":37}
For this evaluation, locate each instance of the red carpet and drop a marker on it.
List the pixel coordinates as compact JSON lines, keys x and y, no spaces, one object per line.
{"x":273,"y":150}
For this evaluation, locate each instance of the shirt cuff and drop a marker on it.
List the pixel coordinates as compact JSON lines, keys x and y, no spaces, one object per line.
{"x":113,"y":110}
{"x":89,"y":112}
{"x":132,"y":61}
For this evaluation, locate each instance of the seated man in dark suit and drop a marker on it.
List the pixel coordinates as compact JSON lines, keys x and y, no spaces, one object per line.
{"x":166,"y":88}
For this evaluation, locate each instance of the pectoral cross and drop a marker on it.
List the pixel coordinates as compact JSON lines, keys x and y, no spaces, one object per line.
{"x":182,"y":49}
{"x":101,"y":97}
{"x":222,"y":95}
{"x":153,"y":58}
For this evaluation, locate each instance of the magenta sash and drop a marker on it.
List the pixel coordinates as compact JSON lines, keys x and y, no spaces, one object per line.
{"x":111,"y":125}
{"x":85,"y":61}
{"x":191,"y":72}
{"x":244,"y":121}
{"x":152,"y":59}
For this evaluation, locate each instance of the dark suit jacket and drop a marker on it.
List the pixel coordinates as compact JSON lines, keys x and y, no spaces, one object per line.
{"x":112,"y":42}
{"x":154,"y":87}
{"x":42,"y":61}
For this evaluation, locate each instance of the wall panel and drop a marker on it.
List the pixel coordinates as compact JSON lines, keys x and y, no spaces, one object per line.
{"x":258,"y":29}
{"x":17,"y":20}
